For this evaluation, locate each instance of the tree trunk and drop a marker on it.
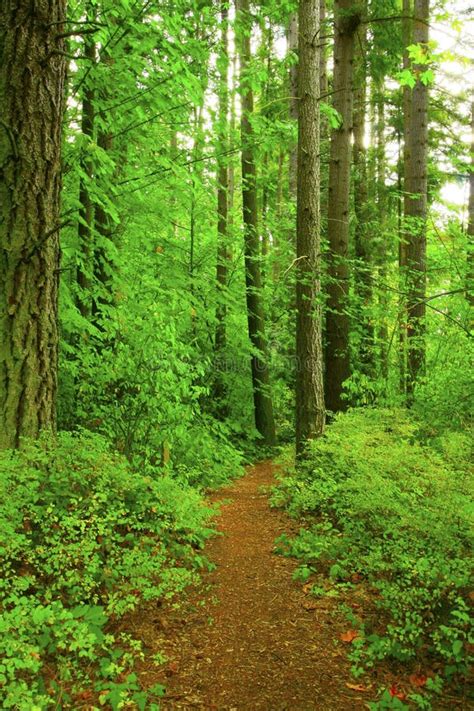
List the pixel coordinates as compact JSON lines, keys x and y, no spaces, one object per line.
{"x":293,"y":86}
{"x":347,"y":21}
{"x":310,"y":413}
{"x":403,"y":237}
{"x":86,"y":212}
{"x":415,"y":204}
{"x":222,"y":208}
{"x":255,"y":313}
{"x":470,"y":224}
{"x":32,"y":88}
{"x":362,"y":236}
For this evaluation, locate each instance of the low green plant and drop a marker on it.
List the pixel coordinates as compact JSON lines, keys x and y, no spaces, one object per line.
{"x":84,"y":539}
{"x":385,"y":508}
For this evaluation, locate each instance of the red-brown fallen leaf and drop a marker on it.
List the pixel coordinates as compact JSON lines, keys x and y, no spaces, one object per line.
{"x":418,"y":679}
{"x":349,"y":636}
{"x":172,"y":668}
{"x":357,"y":687}
{"x":395,"y":692}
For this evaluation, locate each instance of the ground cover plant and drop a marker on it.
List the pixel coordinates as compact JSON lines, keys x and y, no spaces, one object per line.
{"x":85,"y":539}
{"x":388,"y":514}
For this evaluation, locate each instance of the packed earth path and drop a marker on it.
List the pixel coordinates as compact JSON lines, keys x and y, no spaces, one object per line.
{"x":250,"y":638}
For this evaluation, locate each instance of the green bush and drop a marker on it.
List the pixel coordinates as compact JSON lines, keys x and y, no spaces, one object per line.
{"x":397,"y":514}
{"x":83,"y":539}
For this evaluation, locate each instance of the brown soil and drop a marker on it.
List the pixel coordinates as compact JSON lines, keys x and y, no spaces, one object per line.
{"x":250,"y":639}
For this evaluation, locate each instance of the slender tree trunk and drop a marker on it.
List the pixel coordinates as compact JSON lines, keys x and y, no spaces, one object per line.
{"x":293,"y":86}
{"x":470,"y":223}
{"x":383,"y":247}
{"x":416,"y":188}
{"x":32,"y":88}
{"x":347,"y":20}
{"x":362,"y":237}
{"x":86,"y":212}
{"x":222,"y":206}
{"x":324,"y":123}
{"x":403,"y":239}
{"x":255,"y":313}
{"x":310,"y":413}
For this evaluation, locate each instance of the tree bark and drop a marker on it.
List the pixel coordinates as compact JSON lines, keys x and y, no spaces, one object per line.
{"x":347,"y":20}
{"x":310,"y":413}
{"x":32,"y":88}
{"x":362,"y":237}
{"x":415,"y":208}
{"x":292,"y":39}
{"x":222,"y":207}
{"x":86,"y":212}
{"x":255,"y":313}
{"x":470,"y":223}
{"x":403,"y":236}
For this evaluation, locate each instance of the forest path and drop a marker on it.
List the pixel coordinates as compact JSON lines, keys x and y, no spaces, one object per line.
{"x":253,"y":640}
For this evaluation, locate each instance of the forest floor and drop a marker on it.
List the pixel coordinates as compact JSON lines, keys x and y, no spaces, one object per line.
{"x":249,"y":638}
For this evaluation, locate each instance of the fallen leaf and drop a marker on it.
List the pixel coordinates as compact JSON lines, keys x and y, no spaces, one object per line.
{"x":357,"y":687}
{"x":395,"y":692}
{"x":172,"y":668}
{"x":307,"y":588}
{"x":349,"y":636}
{"x":418,"y":679}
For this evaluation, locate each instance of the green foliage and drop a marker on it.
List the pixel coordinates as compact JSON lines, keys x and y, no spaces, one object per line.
{"x":84,"y":539}
{"x":396,"y":513}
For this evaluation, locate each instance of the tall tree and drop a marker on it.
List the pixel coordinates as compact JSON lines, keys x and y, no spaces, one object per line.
{"x":292,"y":39}
{"x":263,"y":406}
{"x":86,"y":212}
{"x":32,"y":79}
{"x":415,"y":204}
{"x":362,"y":247}
{"x":222,"y":198}
{"x":347,"y":20}
{"x":310,"y":413}
{"x":470,"y":222}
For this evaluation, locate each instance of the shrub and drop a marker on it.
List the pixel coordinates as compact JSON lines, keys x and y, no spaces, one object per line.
{"x":83,"y":539}
{"x":396,"y":514}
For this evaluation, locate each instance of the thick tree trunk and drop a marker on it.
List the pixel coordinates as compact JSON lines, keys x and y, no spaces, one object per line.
{"x":32,"y":79}
{"x":416,"y":186}
{"x":362,"y":238}
{"x":310,"y":413}
{"x":255,"y":313}
{"x":347,"y":20}
{"x":222,"y":208}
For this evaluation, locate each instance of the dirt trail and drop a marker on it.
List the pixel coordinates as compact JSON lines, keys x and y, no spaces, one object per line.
{"x":253,"y":641}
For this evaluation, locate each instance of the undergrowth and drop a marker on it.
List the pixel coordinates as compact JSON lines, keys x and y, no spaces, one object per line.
{"x":84,"y":539}
{"x":390,"y":514}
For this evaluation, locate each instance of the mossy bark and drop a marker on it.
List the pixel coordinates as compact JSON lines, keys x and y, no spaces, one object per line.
{"x":32,"y":81}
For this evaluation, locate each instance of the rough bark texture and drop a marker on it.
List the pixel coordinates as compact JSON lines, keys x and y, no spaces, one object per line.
{"x":310,"y":413}
{"x":222,"y":205}
{"x":415,"y":208}
{"x":347,"y":20}
{"x":362,"y":237}
{"x":32,"y":78}
{"x":256,"y":323}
